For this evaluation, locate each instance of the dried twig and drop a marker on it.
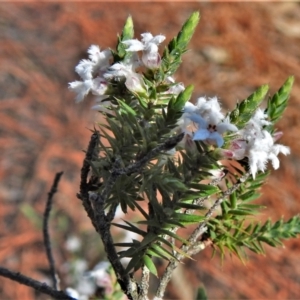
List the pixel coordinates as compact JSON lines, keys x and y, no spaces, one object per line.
{"x":127,"y":284}
{"x":47,"y":241}
{"x":84,"y":187}
{"x":39,"y":286}
{"x":169,"y":144}
{"x":201,"y":228}
{"x":144,"y":283}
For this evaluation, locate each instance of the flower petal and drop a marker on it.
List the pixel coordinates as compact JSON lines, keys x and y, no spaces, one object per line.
{"x":133,"y":45}
{"x":199,"y":120}
{"x":201,"y":134}
{"x":215,"y":136}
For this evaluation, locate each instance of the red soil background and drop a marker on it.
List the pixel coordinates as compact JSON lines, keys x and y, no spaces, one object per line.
{"x":236,"y":48}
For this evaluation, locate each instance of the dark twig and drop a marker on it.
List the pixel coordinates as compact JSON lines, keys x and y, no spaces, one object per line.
{"x":39,"y":286}
{"x":47,"y":241}
{"x":135,"y":167}
{"x":169,"y":144}
{"x":201,"y":228}
{"x":84,"y":187}
{"x":127,"y":284}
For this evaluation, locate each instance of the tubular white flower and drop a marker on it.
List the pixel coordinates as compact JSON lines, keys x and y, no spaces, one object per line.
{"x":122,"y":69}
{"x":97,"y":56}
{"x":91,"y":72}
{"x":258,"y":145}
{"x":175,"y":88}
{"x":149,"y":45}
{"x":84,"y":69}
{"x":81,"y":88}
{"x":209,"y":120}
{"x":134,"y":83}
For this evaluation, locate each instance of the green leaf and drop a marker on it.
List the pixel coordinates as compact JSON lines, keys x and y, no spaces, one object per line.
{"x":268,"y":241}
{"x":281,"y":229}
{"x":127,"y":34}
{"x":182,"y":98}
{"x":124,"y":244}
{"x":233,"y":200}
{"x":240,"y":212}
{"x":131,"y":228}
{"x":245,"y":110}
{"x":174,"y":235}
{"x":126,"y":108}
{"x":188,"y":219}
{"x":249,"y":196}
{"x":161,"y":252}
{"x":171,"y":58}
{"x":135,"y":263}
{"x":190,"y":206}
{"x":32,"y":215}
{"x":187,"y":31}
{"x":149,"y":238}
{"x":201,"y":294}
{"x":146,"y":216}
{"x":203,"y":189}
{"x":278,"y":103}
{"x":150,"y":265}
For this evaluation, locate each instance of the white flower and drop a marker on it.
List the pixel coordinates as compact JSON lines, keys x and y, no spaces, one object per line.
{"x":134,"y":82}
{"x":101,"y":277}
{"x":81,"y":88}
{"x":175,"y":88}
{"x":121,"y":69}
{"x":91,"y":72}
{"x":257,"y":144}
{"x":209,"y":120}
{"x":72,"y":293}
{"x":85,"y":69}
{"x":149,"y":46}
{"x":217,"y":173}
{"x":73,"y":243}
{"x":101,"y":59}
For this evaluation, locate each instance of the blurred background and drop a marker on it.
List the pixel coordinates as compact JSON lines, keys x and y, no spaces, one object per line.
{"x":236,"y":48}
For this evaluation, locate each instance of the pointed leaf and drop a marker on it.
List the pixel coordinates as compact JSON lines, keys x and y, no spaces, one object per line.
{"x":150,"y":265}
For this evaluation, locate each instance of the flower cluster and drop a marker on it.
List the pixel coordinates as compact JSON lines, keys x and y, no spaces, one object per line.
{"x":205,"y":117}
{"x":99,"y":71}
{"x":257,"y":144}
{"x":252,"y":141}
{"x":155,"y":147}
{"x":92,"y":71}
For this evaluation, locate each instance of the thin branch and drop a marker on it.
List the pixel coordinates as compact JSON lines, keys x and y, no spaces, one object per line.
{"x":39,"y":286}
{"x":201,"y":228}
{"x":135,"y":167}
{"x":84,"y":187}
{"x":169,"y":144}
{"x":47,"y":241}
{"x":144,"y":285}
{"x":112,"y":211}
{"x":94,"y":204}
{"x":127,"y":284}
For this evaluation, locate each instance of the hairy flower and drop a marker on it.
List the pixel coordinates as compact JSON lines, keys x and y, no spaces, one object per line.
{"x":91,"y":72}
{"x":133,"y":81}
{"x":257,"y":144}
{"x":175,"y":88}
{"x":149,"y":45}
{"x":209,"y":120}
